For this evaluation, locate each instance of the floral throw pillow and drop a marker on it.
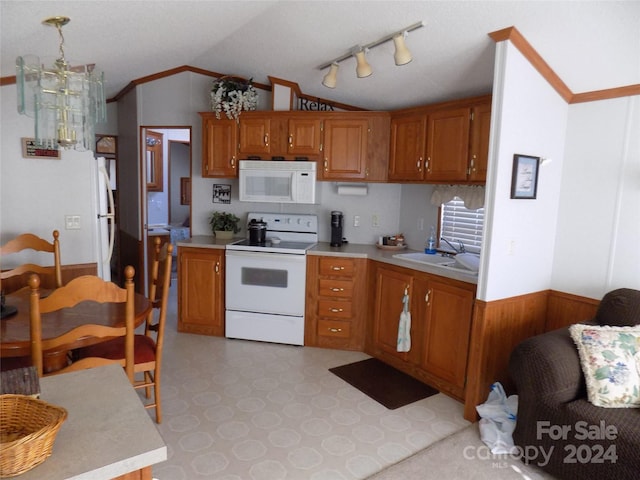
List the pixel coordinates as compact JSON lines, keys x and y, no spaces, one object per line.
{"x":610,"y":359}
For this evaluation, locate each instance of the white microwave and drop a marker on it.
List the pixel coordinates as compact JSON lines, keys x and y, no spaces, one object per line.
{"x":276,"y":181}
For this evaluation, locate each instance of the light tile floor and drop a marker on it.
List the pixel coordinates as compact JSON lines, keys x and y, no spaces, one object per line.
{"x":235,"y":410}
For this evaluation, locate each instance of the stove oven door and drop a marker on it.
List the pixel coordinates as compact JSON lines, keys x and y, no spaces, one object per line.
{"x":271,"y":283}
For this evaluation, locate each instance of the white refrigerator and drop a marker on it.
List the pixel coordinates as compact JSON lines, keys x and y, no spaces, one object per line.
{"x":103,"y":213}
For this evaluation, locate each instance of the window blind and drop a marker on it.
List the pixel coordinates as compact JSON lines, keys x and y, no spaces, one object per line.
{"x":458,"y":223}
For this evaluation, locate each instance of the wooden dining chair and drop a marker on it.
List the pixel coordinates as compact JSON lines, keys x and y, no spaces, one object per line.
{"x":148,"y":346}
{"x":29,"y":241}
{"x":82,"y":289}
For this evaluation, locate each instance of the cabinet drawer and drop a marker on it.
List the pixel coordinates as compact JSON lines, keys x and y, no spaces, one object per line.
{"x":334,"y":328}
{"x":329,"y":287}
{"x":337,"y":266}
{"x":335,"y":309}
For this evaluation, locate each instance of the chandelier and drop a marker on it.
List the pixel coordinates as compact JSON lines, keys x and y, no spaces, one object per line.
{"x":66,"y":101}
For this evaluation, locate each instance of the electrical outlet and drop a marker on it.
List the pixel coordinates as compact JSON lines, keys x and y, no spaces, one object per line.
{"x":356,"y":220}
{"x":375,"y":220}
{"x":72,"y":222}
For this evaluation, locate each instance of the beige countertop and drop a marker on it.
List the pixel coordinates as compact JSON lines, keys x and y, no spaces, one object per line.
{"x":353,"y":250}
{"x":358,"y":250}
{"x":107,"y":433}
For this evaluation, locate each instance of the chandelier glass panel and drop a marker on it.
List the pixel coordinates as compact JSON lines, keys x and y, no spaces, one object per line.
{"x":65,"y":101}
{"x":402,"y":56}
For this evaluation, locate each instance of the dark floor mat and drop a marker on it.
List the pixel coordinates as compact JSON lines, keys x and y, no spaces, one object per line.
{"x":386,"y":385}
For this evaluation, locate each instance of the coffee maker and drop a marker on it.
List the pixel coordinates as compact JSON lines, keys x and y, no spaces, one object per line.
{"x":336,"y":228}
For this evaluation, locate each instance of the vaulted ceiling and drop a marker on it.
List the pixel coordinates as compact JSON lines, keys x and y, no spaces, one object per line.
{"x":591,"y":45}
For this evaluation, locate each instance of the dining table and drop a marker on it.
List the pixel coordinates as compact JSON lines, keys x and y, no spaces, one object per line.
{"x":15,"y":337}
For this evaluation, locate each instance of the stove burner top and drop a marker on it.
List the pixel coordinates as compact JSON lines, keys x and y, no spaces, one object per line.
{"x":269,"y":246}
{"x":286,"y":233}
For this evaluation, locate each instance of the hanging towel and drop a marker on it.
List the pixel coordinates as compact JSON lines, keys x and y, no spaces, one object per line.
{"x":404,"y":326}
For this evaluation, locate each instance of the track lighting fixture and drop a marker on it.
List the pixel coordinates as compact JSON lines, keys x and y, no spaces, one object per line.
{"x":402,"y":55}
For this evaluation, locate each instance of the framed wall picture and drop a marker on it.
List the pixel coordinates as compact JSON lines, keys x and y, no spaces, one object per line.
{"x":31,"y":149}
{"x":221,"y":193}
{"x":524,"y":177}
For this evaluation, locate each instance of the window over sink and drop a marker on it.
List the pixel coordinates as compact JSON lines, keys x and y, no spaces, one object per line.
{"x":460,"y":224}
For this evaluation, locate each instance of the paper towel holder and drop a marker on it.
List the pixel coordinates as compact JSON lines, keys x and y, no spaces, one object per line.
{"x":352,"y":189}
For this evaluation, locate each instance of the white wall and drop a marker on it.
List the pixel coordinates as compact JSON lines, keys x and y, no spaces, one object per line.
{"x":528,"y":117}
{"x":35,"y":194}
{"x":598,"y":239}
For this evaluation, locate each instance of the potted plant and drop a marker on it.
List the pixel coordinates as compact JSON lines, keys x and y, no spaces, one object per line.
{"x":231,"y":95}
{"x":224,"y":225}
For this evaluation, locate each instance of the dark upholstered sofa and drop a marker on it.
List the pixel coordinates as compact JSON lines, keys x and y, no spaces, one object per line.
{"x":554,"y":414}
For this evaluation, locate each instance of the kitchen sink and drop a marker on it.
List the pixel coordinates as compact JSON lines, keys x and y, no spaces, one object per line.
{"x":449,"y":263}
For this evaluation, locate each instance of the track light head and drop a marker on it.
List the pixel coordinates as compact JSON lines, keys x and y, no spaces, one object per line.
{"x":363,"y":69}
{"x":402,"y":55}
{"x":331,"y":79}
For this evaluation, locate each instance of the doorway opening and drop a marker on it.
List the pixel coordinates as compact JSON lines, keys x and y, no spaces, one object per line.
{"x":166,"y":187}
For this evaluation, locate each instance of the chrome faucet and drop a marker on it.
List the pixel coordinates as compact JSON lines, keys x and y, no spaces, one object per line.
{"x":461,"y":248}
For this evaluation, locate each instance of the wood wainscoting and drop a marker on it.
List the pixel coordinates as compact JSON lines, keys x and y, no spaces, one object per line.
{"x":499,"y":326}
{"x":565,"y":309}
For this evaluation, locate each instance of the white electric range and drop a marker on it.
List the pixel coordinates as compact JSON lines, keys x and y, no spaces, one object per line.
{"x":265,"y":282}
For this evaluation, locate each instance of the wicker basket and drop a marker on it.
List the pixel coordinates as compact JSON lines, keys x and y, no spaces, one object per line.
{"x":28,"y":428}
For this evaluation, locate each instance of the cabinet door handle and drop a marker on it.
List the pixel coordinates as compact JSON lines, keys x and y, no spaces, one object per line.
{"x":334,"y":330}
{"x":233,"y":162}
{"x":266,"y":139}
{"x":217,"y":267}
{"x":427,"y":164}
{"x":326,"y":165}
{"x":336,"y":310}
{"x":427,"y":297}
{"x":473,"y":163}
{"x":290,"y":139}
{"x":419,"y":164}
{"x":337,"y":269}
{"x":337,"y":289}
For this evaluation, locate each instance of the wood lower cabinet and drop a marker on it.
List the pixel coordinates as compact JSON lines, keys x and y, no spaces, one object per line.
{"x":444,"y":311}
{"x":336,"y":302}
{"x":201,"y":290}
{"x":441,"y":312}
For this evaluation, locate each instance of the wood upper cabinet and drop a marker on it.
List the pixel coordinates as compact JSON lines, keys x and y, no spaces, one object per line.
{"x":304,"y":135}
{"x":408,"y":138}
{"x":345,"y":148}
{"x":255,"y":134}
{"x":268,"y":134}
{"x":219,"y":146}
{"x":479,"y":142}
{"x":446,"y":143}
{"x":355,"y":147}
{"x":201,"y":290}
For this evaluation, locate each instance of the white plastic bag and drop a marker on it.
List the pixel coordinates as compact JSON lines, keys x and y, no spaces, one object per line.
{"x":498,"y":420}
